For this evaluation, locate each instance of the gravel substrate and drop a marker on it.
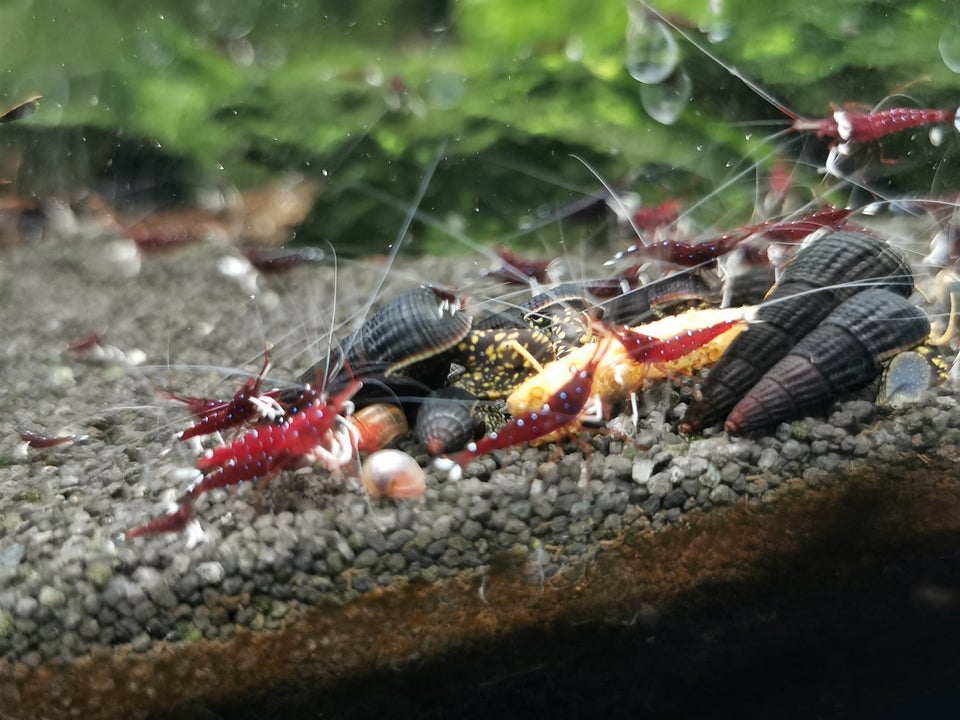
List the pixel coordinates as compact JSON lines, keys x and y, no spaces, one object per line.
{"x":70,"y":586}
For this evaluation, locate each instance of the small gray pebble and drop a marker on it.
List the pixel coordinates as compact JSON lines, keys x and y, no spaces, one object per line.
{"x":659,"y":484}
{"x":769,"y":459}
{"x":723,"y":495}
{"x":25,"y":606}
{"x":210,"y":573}
{"x":376,"y":540}
{"x":441,"y":527}
{"x":366,"y":559}
{"x":642,"y":470}
{"x":728,"y":473}
{"x":690,"y":486}
{"x":395,"y":563}
{"x":471,"y":530}
{"x":651,"y":505}
{"x":674,"y":498}
{"x":232,"y":585}
{"x":51,"y":597}
{"x":514,"y":526}
{"x":399,"y":538}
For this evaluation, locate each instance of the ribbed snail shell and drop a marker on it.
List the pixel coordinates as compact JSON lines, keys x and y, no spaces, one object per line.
{"x":416,"y":326}
{"x":820,"y":277}
{"x":447,"y":421}
{"x":840,"y":355}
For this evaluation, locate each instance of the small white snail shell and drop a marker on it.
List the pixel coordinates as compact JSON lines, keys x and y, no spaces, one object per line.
{"x":393,"y":474}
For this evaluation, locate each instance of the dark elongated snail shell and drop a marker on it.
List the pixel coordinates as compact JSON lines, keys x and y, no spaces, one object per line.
{"x":842,"y":354}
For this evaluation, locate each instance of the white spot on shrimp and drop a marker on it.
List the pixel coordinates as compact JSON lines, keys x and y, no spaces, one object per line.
{"x":844,"y":126}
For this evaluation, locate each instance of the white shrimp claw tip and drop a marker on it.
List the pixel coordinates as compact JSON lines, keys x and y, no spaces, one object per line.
{"x":268,"y":407}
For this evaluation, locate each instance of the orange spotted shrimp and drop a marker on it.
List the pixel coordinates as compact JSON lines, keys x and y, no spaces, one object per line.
{"x":631,"y":358}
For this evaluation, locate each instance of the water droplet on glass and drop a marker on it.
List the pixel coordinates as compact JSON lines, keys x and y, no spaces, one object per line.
{"x":719,"y":31}
{"x":950,"y":45}
{"x":241,"y":52}
{"x":664,"y":102}
{"x":652,"y":51}
{"x":271,"y":54}
{"x":445,"y":89}
{"x":152,"y":50}
{"x":574,"y":48}
{"x":373,"y":74}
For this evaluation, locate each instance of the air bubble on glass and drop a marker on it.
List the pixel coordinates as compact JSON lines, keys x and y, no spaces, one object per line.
{"x":665,"y":101}
{"x":652,"y":50}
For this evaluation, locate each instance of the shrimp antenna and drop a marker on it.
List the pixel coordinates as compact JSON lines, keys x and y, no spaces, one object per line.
{"x":408,"y":219}
{"x":613,"y":195}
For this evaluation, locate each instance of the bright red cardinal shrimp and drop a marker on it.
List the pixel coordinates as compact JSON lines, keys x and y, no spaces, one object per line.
{"x":260,"y":452}
{"x":866,"y":127}
{"x":695,"y":254}
{"x":560,"y":414}
{"x":247,"y":404}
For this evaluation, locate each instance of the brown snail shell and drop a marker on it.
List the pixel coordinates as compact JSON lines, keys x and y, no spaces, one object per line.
{"x":821,"y":276}
{"x":842,"y":354}
{"x":379,"y":425}
{"x":393,"y":474}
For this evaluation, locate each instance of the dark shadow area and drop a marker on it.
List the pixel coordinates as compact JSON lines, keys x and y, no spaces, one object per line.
{"x":857,"y":624}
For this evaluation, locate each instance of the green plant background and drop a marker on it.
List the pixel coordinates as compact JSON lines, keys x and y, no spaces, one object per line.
{"x":515,"y":97}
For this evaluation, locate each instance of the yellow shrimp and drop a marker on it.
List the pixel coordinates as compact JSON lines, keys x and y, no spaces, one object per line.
{"x":677,"y":345}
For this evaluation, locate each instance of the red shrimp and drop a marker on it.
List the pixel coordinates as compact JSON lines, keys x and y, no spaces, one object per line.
{"x":257,"y":454}
{"x":560,"y":413}
{"x":804,"y":225}
{"x":841,"y":126}
{"x":694,"y":254}
{"x":649,"y":219}
{"x":648,"y":349}
{"x":517,"y":270}
{"x":281,"y":260}
{"x":248,"y":403}
{"x":38,"y":441}
{"x":683,"y":253}
{"x":866,"y":127}
{"x":86,"y":342}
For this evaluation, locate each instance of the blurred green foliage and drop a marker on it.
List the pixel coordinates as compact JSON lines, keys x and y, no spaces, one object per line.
{"x":364,"y":95}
